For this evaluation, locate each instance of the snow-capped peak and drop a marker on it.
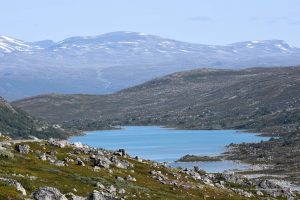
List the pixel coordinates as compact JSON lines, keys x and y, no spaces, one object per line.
{"x":263,"y":45}
{"x":9,"y":45}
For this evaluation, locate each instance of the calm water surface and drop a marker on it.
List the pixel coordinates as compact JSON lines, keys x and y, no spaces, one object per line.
{"x":167,"y":145}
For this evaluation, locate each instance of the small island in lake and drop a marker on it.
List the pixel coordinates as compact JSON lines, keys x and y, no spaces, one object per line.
{"x":194,"y":158}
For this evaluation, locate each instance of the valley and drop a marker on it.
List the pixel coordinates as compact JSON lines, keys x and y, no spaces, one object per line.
{"x":262,"y":100}
{"x":149,"y":100}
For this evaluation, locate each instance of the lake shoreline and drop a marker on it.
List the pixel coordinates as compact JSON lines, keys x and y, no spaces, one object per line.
{"x":167,"y":133}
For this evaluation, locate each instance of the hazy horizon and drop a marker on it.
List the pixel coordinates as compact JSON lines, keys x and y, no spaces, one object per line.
{"x":214,"y":22}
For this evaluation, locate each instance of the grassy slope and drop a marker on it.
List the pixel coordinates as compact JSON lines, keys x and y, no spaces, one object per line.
{"x":85,"y":178}
{"x":257,"y":98}
{"x":18,"y":124}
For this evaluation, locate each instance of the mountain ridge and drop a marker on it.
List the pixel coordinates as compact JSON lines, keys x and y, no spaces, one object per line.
{"x":195,"y":99}
{"x":110,"y":62}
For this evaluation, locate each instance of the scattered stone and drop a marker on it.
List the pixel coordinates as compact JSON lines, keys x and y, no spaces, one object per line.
{"x":43,"y":156}
{"x":67,"y":159}
{"x":48,"y":193}
{"x":102,"y":161}
{"x":120,"y":163}
{"x":138,"y":159}
{"x":59,"y":163}
{"x":100,"y":186}
{"x":130,"y":178}
{"x":96,"y":195}
{"x":14,"y":183}
{"x":242,"y":192}
{"x":80,"y":162}
{"x":121,"y":191}
{"x":72,"y":196}
{"x":112,"y":189}
{"x":58,"y":143}
{"x":78,"y":145}
{"x":121,"y":152}
{"x":23,"y":148}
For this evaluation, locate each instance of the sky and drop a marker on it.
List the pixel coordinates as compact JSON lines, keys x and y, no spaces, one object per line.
{"x":196,"y":21}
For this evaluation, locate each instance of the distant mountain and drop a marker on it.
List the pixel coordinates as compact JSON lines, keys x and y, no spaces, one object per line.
{"x":114,"y":61}
{"x":256,"y":98}
{"x":18,"y":124}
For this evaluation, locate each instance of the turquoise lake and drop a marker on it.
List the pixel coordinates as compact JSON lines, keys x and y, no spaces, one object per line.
{"x":167,"y":145}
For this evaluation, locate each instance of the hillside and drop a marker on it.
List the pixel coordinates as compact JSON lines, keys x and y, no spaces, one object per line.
{"x":256,"y":98}
{"x":109,"y":62}
{"x":18,"y":124}
{"x":57,"y":170}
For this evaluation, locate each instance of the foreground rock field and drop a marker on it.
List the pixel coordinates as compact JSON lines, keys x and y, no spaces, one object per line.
{"x":57,"y":170}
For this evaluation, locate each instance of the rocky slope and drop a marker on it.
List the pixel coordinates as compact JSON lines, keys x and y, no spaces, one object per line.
{"x":257,"y":98}
{"x":18,"y":124}
{"x":113,"y":61}
{"x":57,"y":170}
{"x":282,"y":155}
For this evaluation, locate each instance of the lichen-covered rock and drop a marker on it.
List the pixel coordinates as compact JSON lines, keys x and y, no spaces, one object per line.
{"x":23,"y":148}
{"x":96,"y":195}
{"x":102,"y":161}
{"x":58,"y":143}
{"x":120,"y":163}
{"x":48,"y":193}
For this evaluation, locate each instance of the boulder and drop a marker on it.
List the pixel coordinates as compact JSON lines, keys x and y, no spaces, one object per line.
{"x":58,"y":143}
{"x":121,"y":152}
{"x":23,"y":148}
{"x":80,"y":162}
{"x":100,"y":186}
{"x":96,"y":195}
{"x":102,"y":161}
{"x":130,"y":178}
{"x":48,"y":193}
{"x":120,"y":163}
{"x":59,"y":163}
{"x":43,"y":156}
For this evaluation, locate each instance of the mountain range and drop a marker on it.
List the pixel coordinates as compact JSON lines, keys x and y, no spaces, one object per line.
{"x":114,"y":61}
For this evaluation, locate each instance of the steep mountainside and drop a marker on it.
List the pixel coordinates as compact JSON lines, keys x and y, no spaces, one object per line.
{"x":255,"y":98}
{"x":114,"y":61}
{"x":17,"y":124}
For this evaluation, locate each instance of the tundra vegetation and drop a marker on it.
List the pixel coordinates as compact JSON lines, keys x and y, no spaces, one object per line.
{"x":55,"y":169}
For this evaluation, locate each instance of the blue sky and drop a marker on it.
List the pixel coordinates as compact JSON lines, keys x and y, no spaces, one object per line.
{"x":198,"y":21}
